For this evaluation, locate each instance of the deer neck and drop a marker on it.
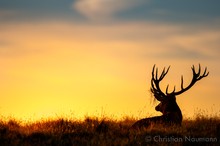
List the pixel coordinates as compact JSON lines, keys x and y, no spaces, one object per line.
{"x":174,"y":116}
{"x":173,"y":111}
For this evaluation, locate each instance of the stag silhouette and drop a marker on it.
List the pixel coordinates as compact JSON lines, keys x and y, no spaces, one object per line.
{"x":171,"y":113}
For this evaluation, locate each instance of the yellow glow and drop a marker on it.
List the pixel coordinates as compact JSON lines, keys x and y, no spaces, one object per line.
{"x":51,"y":69}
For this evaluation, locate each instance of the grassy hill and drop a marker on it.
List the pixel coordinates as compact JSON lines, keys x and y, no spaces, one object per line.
{"x":94,"y":131}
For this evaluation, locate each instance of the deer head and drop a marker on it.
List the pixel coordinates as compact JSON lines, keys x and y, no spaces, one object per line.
{"x":168,"y":100}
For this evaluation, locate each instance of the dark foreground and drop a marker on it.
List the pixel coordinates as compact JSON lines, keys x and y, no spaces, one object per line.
{"x":93,"y":131}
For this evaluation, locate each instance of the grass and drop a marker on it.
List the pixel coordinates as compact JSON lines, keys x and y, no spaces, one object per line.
{"x":95,"y":131}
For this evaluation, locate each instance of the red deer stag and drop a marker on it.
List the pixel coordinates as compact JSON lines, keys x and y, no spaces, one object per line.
{"x":168,"y":106}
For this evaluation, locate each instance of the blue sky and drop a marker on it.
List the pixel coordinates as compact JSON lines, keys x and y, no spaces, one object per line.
{"x":186,"y":11}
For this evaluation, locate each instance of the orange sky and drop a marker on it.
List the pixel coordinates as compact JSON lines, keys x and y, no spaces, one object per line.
{"x":63,"y":68}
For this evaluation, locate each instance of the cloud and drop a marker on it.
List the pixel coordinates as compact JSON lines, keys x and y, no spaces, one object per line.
{"x":102,"y":9}
{"x":139,"y":40}
{"x":181,"y":53}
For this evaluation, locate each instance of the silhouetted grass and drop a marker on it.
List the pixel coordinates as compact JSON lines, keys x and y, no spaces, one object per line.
{"x":94,"y":131}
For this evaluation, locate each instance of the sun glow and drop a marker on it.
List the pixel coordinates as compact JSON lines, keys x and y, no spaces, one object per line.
{"x":52,"y":69}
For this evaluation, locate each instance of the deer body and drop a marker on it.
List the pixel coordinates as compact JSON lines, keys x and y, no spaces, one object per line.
{"x":172,"y":115}
{"x":168,"y":105}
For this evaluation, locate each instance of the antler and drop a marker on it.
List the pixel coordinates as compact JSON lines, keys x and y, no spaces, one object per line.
{"x":196,"y":77}
{"x":155,"y":88}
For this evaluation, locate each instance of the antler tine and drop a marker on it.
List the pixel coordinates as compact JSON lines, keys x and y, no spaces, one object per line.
{"x":164,"y":72}
{"x":153,"y":89}
{"x":153,"y":71}
{"x":193,"y":69}
{"x":199,"y":69}
{"x":172,"y":91}
{"x":156,"y":73}
{"x":205,"y":74}
{"x":161,"y":76}
{"x":167,"y":88}
{"x":182,"y":82}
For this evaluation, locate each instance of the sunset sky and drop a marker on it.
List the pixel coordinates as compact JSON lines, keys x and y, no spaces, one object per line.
{"x":94,"y":57}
